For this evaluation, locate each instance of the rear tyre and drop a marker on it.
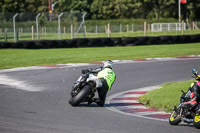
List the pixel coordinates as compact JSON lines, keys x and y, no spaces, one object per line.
{"x":196,"y":122}
{"x":175,"y":118}
{"x":74,"y":101}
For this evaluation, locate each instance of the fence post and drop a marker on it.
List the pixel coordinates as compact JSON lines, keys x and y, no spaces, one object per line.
{"x":22,"y":31}
{"x":149,"y":27}
{"x":85,"y":29}
{"x":37,"y":26}
{"x":64,"y":30}
{"x":32,"y":28}
{"x":108,"y":30}
{"x":45,"y":31}
{"x":42,"y":30}
{"x":145,"y":28}
{"x":182,"y":27}
{"x":96,"y":30}
{"x":17,"y":36}
{"x":19,"y":32}
{"x":59,"y":32}
{"x":14,"y":26}
{"x":193,"y":25}
{"x":6,"y":38}
{"x":120,"y":29}
{"x":132,"y":28}
{"x":72,"y":32}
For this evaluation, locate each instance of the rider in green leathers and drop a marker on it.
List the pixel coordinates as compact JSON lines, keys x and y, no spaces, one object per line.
{"x":104,"y":81}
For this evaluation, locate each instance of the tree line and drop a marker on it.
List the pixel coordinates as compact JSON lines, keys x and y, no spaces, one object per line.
{"x":110,"y":9}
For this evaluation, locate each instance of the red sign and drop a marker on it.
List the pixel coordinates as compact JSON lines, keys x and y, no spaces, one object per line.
{"x":183,"y":1}
{"x":50,"y":5}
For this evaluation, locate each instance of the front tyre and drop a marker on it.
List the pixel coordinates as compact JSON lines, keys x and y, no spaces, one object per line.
{"x":175,"y":118}
{"x":74,"y":101}
{"x":196,"y":122}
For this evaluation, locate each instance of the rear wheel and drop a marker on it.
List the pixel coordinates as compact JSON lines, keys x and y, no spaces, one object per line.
{"x":175,"y":118}
{"x":197,"y":120}
{"x":74,"y":101}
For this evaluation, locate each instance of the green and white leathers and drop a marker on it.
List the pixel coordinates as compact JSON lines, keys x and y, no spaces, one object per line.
{"x":108,"y":75}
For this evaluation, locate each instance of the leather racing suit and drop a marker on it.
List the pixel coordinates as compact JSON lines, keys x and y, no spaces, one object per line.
{"x":194,"y":95}
{"x":105,"y":79}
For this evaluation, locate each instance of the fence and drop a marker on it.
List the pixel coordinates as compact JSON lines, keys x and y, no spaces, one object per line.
{"x":45,"y":26}
{"x":156,"y":27}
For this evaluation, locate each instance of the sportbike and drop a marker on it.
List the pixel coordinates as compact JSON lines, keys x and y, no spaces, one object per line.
{"x":187,"y":115}
{"x":83,"y":89}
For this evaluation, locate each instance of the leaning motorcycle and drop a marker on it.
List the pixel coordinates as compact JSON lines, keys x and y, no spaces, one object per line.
{"x":187,"y":115}
{"x":83,"y":89}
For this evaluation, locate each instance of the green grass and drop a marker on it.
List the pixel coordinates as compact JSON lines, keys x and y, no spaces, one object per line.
{"x":166,"y":97}
{"x":11,"y":58}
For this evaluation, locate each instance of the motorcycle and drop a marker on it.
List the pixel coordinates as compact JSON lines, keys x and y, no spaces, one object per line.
{"x":83,"y":89}
{"x":187,"y":115}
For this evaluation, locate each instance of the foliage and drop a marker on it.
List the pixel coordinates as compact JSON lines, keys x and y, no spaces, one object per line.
{"x":110,"y":9}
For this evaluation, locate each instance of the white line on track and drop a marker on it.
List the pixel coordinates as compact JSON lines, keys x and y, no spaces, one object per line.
{"x":17,"y":84}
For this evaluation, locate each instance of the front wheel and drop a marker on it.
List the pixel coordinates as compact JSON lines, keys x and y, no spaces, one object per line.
{"x":175,"y":118}
{"x":74,"y":101}
{"x":197,"y":120}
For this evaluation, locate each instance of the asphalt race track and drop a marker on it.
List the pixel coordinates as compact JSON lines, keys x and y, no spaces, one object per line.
{"x":36,"y":101}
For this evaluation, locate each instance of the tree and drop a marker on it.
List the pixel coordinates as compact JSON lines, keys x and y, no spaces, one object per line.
{"x":108,"y":9}
{"x":75,"y":5}
{"x":160,"y":8}
{"x":12,"y":6}
{"x":193,"y":9}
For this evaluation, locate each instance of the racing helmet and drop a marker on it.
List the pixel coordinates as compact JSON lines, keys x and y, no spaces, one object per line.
{"x":196,"y":74}
{"x":108,"y":64}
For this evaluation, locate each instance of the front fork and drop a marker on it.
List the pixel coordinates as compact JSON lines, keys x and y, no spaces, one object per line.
{"x":179,"y":111}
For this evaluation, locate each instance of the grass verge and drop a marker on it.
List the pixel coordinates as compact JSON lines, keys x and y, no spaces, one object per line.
{"x":167,"y":97}
{"x":11,"y":58}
